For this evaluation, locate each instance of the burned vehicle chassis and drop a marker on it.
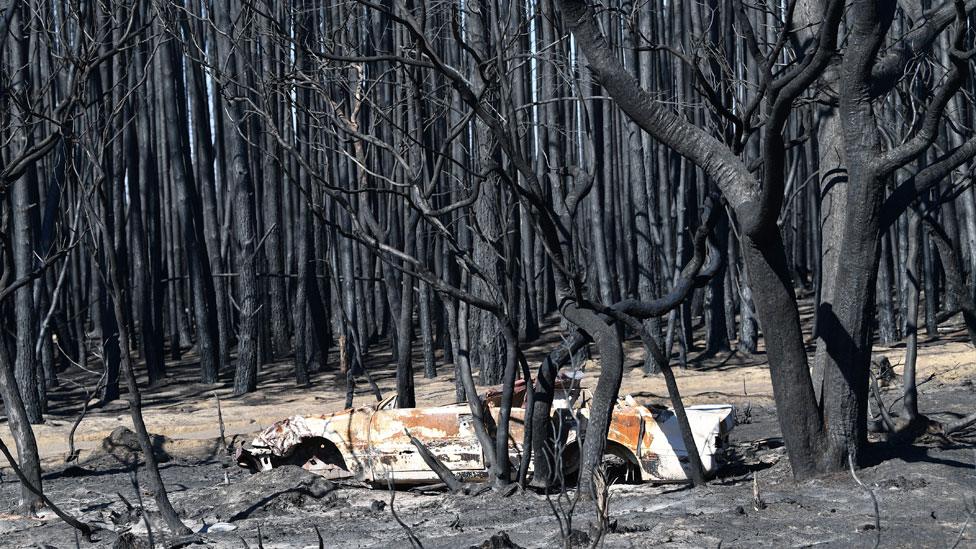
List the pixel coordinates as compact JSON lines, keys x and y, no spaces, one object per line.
{"x":372,"y":443}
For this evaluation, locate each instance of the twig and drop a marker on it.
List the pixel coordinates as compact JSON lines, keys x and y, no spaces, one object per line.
{"x":72,"y":453}
{"x":962,"y":531}
{"x":919,"y":384}
{"x":874,"y":500}
{"x":757,"y":501}
{"x":319,"y":535}
{"x":566,"y":507}
{"x":59,"y":285}
{"x":220,"y":423}
{"x":134,"y":478}
{"x":414,"y":540}
{"x":130,"y":509}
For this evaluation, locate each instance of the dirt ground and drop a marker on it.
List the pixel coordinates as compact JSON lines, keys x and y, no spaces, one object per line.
{"x":925,"y":492}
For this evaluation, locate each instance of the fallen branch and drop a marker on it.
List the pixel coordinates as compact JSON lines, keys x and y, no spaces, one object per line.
{"x":447,"y":477}
{"x":959,"y":424}
{"x":179,"y":542}
{"x":87,"y":530}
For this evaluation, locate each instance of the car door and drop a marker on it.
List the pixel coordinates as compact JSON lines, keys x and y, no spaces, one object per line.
{"x":446,"y":431}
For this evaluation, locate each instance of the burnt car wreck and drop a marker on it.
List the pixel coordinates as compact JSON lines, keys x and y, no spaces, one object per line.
{"x":372,"y":443}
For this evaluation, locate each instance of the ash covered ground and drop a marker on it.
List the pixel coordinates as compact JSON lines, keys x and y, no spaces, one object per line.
{"x":924,"y":491}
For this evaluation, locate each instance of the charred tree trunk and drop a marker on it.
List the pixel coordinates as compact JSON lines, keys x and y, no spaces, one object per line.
{"x":20,"y":428}
{"x":178,"y":146}
{"x":244,"y":226}
{"x":24,"y":208}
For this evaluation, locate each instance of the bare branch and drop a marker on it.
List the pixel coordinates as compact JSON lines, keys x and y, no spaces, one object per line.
{"x":708,"y":153}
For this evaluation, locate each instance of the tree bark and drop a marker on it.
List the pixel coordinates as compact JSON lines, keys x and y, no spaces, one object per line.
{"x":245,"y":237}
{"x":24,"y":208}
{"x":20,"y":428}
{"x":178,"y":146}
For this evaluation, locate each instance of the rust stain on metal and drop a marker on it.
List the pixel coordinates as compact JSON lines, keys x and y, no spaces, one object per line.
{"x":370,"y":443}
{"x":625,"y":428}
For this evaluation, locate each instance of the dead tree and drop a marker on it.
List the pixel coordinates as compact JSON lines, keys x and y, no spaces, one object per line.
{"x":819,"y":438}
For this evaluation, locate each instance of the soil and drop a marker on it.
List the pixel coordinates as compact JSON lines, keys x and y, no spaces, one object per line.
{"x":925,"y":491}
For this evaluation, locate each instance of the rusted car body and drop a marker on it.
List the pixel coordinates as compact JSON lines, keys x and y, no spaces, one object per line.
{"x":371,"y":443}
